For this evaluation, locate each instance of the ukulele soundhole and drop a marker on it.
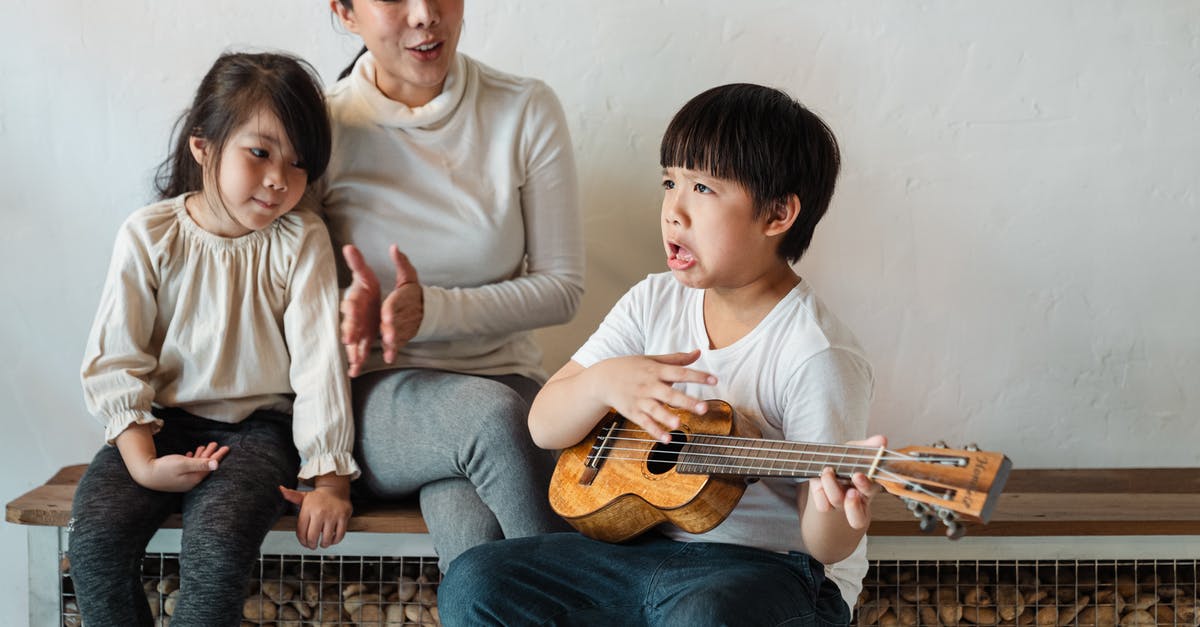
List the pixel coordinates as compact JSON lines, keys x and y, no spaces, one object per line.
{"x":664,"y":457}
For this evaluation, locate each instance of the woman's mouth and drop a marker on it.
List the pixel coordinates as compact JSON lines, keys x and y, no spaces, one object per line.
{"x":427,"y":51}
{"x":679,"y":257}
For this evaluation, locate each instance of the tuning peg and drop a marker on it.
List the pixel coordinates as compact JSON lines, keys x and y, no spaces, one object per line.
{"x":940,"y":444}
{"x":916,"y":507}
{"x":955,"y":530}
{"x":928,"y":523}
{"x":972,"y":447}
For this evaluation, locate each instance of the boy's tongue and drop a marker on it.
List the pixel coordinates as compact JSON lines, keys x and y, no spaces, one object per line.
{"x":681,"y":259}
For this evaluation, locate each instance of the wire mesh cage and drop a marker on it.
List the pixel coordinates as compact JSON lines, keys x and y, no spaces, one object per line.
{"x":292,"y":590}
{"x":296,"y":591}
{"x":1086,"y":593}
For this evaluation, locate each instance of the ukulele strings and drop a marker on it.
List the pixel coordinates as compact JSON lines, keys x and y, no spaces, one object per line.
{"x":769,"y":465}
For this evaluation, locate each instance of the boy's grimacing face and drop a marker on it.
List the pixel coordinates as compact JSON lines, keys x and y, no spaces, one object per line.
{"x":711,"y":236}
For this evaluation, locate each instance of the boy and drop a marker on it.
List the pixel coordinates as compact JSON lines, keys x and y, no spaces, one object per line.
{"x":747,"y":174}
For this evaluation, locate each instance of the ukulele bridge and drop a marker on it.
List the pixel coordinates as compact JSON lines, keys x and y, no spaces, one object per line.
{"x":599,"y":452}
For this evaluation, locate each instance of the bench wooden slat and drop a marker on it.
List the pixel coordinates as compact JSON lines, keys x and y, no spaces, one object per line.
{"x":50,"y":505}
{"x":1036,"y":502}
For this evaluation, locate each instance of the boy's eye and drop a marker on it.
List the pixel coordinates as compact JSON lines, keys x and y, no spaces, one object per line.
{"x":299,"y":165}
{"x":668,"y":184}
{"x":701,"y":188}
{"x":260,"y":153}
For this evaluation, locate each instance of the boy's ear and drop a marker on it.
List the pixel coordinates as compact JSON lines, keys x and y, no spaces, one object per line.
{"x":199,"y":148}
{"x":782,"y":216}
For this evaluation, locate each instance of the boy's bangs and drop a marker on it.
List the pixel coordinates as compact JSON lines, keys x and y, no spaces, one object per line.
{"x":702,"y":143}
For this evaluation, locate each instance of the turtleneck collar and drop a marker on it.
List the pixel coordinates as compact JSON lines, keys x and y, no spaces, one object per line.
{"x":388,"y":112}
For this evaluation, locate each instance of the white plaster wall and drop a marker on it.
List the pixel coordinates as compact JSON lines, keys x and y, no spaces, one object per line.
{"x":1015,"y":237}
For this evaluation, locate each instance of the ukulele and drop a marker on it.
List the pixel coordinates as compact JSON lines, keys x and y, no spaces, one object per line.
{"x":618,"y":482}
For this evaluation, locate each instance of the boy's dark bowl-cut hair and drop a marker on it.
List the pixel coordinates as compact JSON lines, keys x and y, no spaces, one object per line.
{"x":768,"y":143}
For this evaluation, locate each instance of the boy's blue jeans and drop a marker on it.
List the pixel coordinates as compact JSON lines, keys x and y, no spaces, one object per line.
{"x":568,"y":579}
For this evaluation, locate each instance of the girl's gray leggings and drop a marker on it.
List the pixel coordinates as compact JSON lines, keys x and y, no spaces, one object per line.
{"x":462,"y":443}
{"x":225,"y":519}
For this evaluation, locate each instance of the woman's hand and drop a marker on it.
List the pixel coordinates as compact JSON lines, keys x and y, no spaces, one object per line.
{"x":360,"y":309}
{"x":403,"y":309}
{"x":324,"y":511}
{"x":828,"y":493}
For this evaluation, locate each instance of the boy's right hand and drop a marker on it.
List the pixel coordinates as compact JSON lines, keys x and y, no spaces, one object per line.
{"x":640,"y":387}
{"x":178,"y":473}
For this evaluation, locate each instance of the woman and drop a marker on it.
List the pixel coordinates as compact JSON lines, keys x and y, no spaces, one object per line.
{"x":459,"y":181}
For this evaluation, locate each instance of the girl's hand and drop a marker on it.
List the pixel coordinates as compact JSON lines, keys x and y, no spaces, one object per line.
{"x":360,"y":309}
{"x":403,"y":309}
{"x":324,"y":512}
{"x":828,"y":493}
{"x":179,"y":473}
{"x":640,"y":388}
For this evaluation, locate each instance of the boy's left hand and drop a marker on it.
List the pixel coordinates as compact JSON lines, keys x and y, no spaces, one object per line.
{"x":324,"y":514}
{"x":828,"y":493}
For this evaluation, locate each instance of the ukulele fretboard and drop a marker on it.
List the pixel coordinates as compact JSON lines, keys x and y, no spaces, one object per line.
{"x":724,"y":455}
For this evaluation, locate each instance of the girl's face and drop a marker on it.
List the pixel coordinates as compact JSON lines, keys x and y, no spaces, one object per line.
{"x":413,"y":42}
{"x":259,"y":178}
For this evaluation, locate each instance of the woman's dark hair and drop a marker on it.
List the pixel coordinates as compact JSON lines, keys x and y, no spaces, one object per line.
{"x":236,"y":87}
{"x":765,"y":141}
{"x":350,"y":68}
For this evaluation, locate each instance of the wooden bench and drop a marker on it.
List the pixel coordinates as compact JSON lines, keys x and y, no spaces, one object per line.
{"x":50,"y":505}
{"x":1128,"y":513}
{"x":1036,"y":502}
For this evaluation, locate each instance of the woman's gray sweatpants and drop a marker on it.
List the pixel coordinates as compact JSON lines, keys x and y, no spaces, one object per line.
{"x":462,"y":443}
{"x":225,"y":519}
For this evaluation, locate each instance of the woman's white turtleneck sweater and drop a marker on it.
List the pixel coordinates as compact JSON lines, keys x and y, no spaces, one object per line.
{"x":478,"y":188}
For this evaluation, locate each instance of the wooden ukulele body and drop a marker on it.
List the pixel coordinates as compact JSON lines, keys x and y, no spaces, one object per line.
{"x":639,"y":487}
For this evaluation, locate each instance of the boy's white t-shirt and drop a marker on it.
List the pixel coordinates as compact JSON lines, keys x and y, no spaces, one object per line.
{"x":799,"y":375}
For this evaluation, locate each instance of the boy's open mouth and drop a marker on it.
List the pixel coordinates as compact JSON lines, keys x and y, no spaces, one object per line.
{"x":679,"y":257}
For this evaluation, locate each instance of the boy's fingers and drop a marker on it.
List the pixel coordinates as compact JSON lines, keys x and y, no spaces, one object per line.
{"x":832,"y":489}
{"x":676,"y":398}
{"x":679,"y":374}
{"x":677,"y":359}
{"x":818,"y":496}
{"x":857,"y":513}
{"x":650,"y":425}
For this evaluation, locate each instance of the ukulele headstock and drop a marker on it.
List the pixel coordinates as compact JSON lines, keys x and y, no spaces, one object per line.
{"x":941,"y":484}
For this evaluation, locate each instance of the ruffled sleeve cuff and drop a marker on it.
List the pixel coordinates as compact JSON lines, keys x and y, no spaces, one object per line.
{"x":120,"y":421}
{"x":325,"y":463}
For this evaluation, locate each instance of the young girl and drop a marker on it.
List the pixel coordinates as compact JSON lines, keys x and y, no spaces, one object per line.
{"x":215,"y":347}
